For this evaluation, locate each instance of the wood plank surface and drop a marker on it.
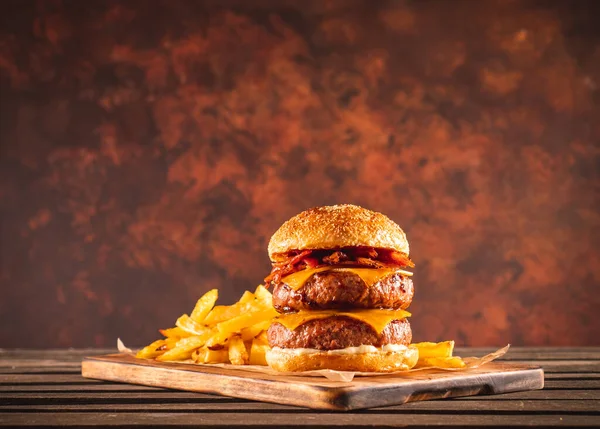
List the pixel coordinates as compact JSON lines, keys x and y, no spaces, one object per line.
{"x":297,"y":418}
{"x":126,"y":389}
{"x":576,"y":407}
{"x":45,"y":389}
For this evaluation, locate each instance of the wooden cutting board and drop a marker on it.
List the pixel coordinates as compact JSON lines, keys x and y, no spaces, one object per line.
{"x":316,"y":392}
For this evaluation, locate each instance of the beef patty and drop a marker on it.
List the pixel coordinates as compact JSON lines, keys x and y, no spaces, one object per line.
{"x":343,"y":289}
{"x":338,"y":332}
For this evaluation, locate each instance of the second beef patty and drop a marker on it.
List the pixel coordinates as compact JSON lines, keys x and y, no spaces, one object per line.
{"x":338,"y":332}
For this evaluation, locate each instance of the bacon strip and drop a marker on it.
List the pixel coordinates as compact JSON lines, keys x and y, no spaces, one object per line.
{"x":366,"y":262}
{"x":354,"y":256}
{"x":283,"y":268}
{"x":401,"y":259}
{"x":335,"y":258}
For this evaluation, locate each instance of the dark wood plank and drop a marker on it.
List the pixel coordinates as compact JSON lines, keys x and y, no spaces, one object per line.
{"x":573,"y":376}
{"x":45,"y":363}
{"x":572,"y":384}
{"x":299,"y":418}
{"x":158,"y":396}
{"x":447,"y":406}
{"x":42,"y":370}
{"x":565,"y":366}
{"x":99,"y":387}
{"x":537,"y":353}
{"x":53,"y":353}
{"x":44,"y":378}
{"x":127,"y":390}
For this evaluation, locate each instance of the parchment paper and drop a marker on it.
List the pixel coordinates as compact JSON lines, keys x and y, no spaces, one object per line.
{"x":342,"y":376}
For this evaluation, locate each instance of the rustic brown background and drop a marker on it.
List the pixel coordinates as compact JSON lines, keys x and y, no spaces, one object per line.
{"x":150,"y":149}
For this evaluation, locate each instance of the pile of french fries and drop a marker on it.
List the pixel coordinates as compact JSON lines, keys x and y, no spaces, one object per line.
{"x":237,"y":334}
{"x":218,"y":334}
{"x":438,"y":355}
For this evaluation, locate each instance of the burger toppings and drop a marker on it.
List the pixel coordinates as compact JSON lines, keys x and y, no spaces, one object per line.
{"x":365,"y":257}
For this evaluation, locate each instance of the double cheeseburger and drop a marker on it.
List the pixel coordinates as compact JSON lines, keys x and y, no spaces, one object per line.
{"x":340,"y":283}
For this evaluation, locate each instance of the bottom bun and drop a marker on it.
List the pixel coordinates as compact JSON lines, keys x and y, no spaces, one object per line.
{"x":379,"y":361}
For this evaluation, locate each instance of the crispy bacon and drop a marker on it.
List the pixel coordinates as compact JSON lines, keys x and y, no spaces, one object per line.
{"x":283,"y":268}
{"x":352,"y":256}
{"x":335,"y":258}
{"x":311,"y":262}
{"x":366,"y":262}
{"x":401,"y":259}
{"x":294,"y":259}
{"x":365,"y":252}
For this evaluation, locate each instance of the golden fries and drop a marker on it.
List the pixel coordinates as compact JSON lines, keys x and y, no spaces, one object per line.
{"x":204,"y":305}
{"x":238,"y":355}
{"x":238,"y":323}
{"x":189,"y":325}
{"x":222,"y":313}
{"x":184,"y":347}
{"x":152,"y":350}
{"x":174,"y":332}
{"x":257,"y":352}
{"x":438,"y":355}
{"x":246,"y":297}
{"x":443,"y":349}
{"x":252,"y":331}
{"x":206,"y":355}
{"x":441,"y":362}
{"x":219,"y":339}
{"x":263,"y":296}
{"x":218,"y":334}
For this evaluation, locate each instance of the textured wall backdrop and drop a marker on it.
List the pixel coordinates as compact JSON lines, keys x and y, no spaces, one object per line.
{"x":150,"y":149}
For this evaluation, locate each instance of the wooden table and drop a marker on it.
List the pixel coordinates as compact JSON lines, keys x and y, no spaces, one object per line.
{"x":45,"y":388}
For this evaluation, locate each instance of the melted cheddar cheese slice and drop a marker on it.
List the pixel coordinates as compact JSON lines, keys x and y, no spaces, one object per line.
{"x":378,"y":319}
{"x":369,"y":275}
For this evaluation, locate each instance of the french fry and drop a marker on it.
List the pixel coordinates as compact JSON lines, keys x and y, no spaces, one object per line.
{"x":184,"y":347}
{"x":238,"y":355}
{"x":441,"y":362}
{"x":257,"y":352}
{"x":189,"y":325}
{"x":238,"y":323}
{"x":152,"y":350}
{"x":219,"y":339}
{"x":217,"y":314}
{"x":225,"y":312}
{"x":441,"y":350}
{"x":204,"y":305}
{"x":174,"y":332}
{"x":252,"y":331}
{"x":157,"y":348}
{"x":262,"y":337}
{"x":263,"y":296}
{"x":206,"y":355}
{"x":247,"y":296}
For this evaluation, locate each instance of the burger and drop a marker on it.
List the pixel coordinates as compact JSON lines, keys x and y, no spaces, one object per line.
{"x":341,"y":286}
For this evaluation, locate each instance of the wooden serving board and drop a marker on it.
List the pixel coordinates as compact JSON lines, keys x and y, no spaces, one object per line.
{"x":316,"y":392}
